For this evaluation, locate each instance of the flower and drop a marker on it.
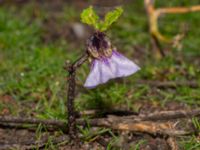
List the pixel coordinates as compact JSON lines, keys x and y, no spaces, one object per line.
{"x":107,"y":63}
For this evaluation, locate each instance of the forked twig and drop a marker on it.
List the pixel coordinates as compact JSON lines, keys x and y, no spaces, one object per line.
{"x":135,"y":123}
{"x":154,"y":14}
{"x":71,"y":95}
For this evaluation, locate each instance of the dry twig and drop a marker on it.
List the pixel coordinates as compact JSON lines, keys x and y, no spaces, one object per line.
{"x":103,"y":113}
{"x":169,"y":115}
{"x":142,"y":123}
{"x":154,"y":14}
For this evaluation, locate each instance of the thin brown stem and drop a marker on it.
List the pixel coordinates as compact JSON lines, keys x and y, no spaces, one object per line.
{"x":71,"y":95}
{"x":157,"y":45}
{"x":153,"y":27}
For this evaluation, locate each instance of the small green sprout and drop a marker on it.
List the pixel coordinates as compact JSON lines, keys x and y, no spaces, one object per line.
{"x":89,"y":16}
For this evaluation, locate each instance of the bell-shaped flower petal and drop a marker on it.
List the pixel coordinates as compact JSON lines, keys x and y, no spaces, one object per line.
{"x":105,"y":69}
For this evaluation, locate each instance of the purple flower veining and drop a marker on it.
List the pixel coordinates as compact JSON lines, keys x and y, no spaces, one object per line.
{"x":107,"y":63}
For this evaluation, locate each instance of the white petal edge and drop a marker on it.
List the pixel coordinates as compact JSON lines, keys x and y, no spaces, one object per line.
{"x":125,"y":67}
{"x":115,"y":66}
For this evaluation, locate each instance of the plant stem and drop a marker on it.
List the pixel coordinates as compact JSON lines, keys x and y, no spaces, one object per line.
{"x":71,"y":95}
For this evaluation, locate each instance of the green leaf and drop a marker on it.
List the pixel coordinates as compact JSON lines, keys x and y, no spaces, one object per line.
{"x":89,"y":17}
{"x":110,"y":18}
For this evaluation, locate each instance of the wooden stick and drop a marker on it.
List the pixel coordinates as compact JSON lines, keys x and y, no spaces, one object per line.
{"x":154,"y":128}
{"x":157,"y":116}
{"x":141,"y":123}
{"x":170,"y":115}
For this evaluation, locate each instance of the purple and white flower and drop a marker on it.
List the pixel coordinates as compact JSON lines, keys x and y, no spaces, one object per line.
{"x":107,"y":63}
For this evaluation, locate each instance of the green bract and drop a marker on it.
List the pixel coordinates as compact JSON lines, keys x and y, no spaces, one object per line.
{"x":111,"y":17}
{"x":90,"y":17}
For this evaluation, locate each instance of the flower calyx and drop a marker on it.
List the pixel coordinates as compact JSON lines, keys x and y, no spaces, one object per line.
{"x":99,"y":46}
